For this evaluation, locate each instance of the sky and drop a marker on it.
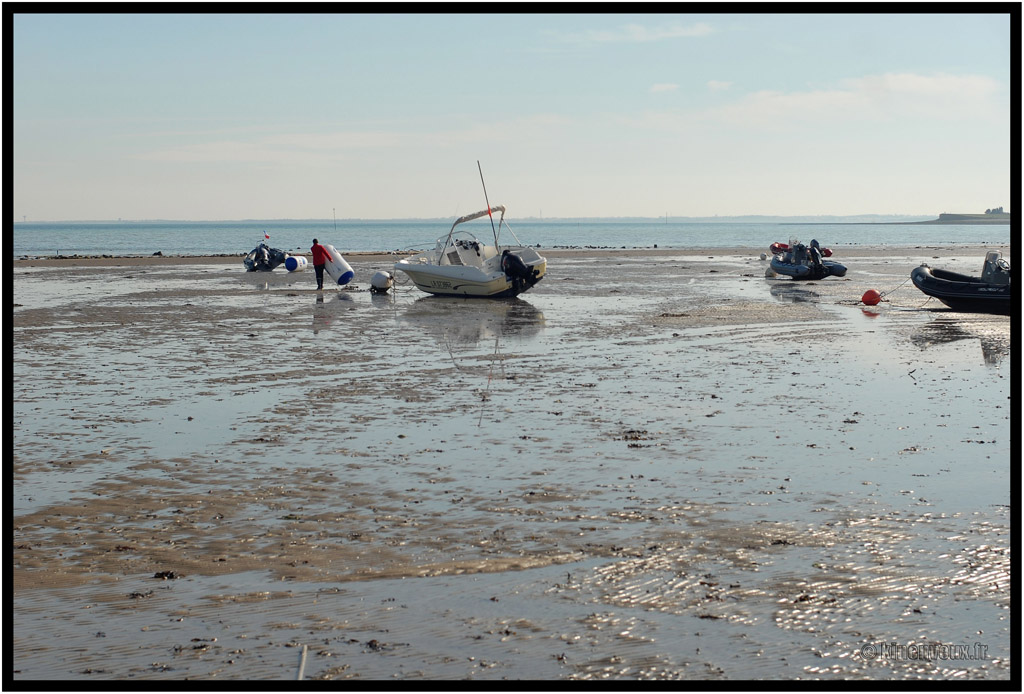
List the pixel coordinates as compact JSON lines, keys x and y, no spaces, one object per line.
{"x":383,"y":116}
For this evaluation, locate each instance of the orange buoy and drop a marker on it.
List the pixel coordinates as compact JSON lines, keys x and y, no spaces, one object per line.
{"x":871,"y":297}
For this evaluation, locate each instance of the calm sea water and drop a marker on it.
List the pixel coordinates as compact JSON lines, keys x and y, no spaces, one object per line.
{"x":213,"y":238}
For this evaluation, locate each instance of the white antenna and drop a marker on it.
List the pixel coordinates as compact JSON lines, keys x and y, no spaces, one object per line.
{"x":488,"y":203}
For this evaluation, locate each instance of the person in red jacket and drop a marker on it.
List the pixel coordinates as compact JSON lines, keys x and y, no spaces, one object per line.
{"x":320,"y":258}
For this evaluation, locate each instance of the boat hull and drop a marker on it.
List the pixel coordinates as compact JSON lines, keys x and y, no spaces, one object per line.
{"x":962,"y":292}
{"x":808,"y":271}
{"x":448,"y":280}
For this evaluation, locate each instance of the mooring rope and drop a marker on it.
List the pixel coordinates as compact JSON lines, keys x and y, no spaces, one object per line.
{"x":882,"y":295}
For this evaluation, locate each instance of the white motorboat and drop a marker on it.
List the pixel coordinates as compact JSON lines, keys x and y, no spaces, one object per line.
{"x":462,"y":265}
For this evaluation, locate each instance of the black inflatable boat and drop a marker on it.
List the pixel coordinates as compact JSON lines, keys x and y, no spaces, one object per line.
{"x":990,"y":293}
{"x":263,"y":258}
{"x":804,"y":262}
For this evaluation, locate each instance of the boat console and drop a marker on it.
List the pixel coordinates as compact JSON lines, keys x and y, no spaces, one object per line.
{"x":996,"y":269}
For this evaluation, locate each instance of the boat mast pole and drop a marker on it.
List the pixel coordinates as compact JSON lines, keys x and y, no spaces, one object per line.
{"x":488,"y":204}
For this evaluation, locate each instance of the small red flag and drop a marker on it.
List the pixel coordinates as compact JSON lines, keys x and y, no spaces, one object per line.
{"x":266,"y":235}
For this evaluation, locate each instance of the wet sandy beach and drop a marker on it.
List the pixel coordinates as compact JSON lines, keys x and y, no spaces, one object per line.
{"x":656,"y":464}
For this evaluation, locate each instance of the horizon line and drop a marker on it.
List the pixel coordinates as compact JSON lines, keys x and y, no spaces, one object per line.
{"x":661,"y":218}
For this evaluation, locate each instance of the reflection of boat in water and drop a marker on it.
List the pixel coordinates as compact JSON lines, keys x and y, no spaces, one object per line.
{"x":462,"y":265}
{"x":990,"y":293}
{"x":785,"y":291}
{"x":456,"y":320}
{"x":463,"y":328}
{"x":995,"y":344}
{"x":804,"y":262}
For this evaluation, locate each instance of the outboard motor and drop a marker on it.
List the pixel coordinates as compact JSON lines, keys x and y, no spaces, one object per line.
{"x":521,"y":275}
{"x":818,"y":269}
{"x":815,"y":255}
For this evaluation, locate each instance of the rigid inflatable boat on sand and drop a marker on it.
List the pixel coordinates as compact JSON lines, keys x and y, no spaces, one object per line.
{"x":990,"y":293}
{"x":804,"y":262}
{"x":263,"y":258}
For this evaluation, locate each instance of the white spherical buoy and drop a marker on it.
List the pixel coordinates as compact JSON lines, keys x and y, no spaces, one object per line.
{"x":381,"y":281}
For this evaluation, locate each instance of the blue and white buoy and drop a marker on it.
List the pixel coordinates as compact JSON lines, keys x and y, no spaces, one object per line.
{"x":295,"y":263}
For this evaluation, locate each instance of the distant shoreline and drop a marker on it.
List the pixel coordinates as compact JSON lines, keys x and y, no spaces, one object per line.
{"x":956,"y":219}
{"x":940,"y":222}
{"x":959,"y":218}
{"x":962,"y":221}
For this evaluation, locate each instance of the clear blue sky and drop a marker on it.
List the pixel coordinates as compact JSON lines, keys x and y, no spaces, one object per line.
{"x":251,"y":116}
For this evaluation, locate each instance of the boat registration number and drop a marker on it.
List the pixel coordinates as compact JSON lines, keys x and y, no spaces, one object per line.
{"x":440,"y":284}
